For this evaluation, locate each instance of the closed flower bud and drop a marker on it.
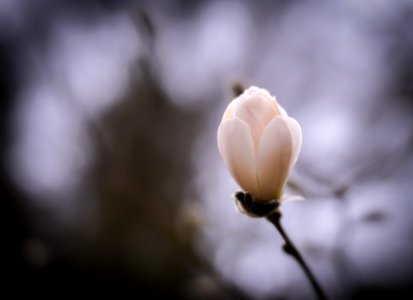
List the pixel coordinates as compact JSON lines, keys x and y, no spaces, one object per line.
{"x":259,"y":143}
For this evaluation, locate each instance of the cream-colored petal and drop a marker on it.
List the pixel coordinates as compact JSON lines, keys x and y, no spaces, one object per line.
{"x":296,"y":137}
{"x":229,"y":111}
{"x":282,"y":111}
{"x":253,"y":91}
{"x":274,"y":159}
{"x":237,"y":150}
{"x":263,"y":94}
{"x":257,"y":113}
{"x":292,"y":198}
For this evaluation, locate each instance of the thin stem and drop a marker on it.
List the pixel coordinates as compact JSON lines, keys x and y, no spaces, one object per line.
{"x":290,"y":248}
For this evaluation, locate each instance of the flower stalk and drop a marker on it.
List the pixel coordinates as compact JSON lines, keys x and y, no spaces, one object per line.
{"x":271,"y":210}
{"x":291,"y":249}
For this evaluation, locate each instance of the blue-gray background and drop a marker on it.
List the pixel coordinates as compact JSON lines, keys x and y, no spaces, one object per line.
{"x":111,"y":178}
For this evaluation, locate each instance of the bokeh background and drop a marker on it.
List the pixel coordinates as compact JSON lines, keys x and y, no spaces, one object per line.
{"x":110,"y":174}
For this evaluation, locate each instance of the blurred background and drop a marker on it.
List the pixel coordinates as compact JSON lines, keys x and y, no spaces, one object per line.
{"x":110,"y":174}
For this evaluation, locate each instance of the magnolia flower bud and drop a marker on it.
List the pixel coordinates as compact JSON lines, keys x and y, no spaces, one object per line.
{"x":259,"y":143}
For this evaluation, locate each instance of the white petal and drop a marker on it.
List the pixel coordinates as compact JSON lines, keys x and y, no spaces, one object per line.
{"x":274,"y":159}
{"x":296,"y":137}
{"x":292,"y":198}
{"x":255,"y":92}
{"x":237,"y":150}
{"x":282,"y":111}
{"x":229,"y":111}
{"x":257,"y":113}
